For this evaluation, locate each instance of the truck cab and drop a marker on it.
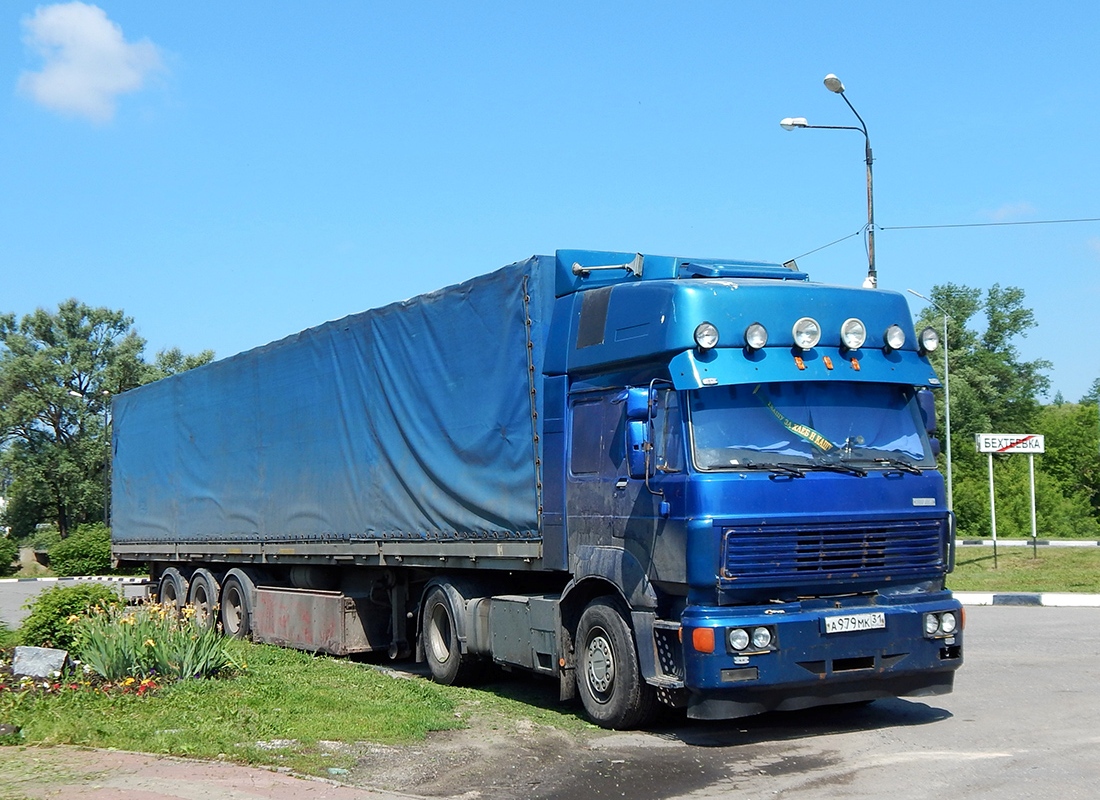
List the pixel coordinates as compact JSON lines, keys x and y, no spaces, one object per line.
{"x":748,"y":457}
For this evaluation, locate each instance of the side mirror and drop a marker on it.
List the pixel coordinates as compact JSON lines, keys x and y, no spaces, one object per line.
{"x":927,"y":403}
{"x":637,"y":442}
{"x":637,"y":403}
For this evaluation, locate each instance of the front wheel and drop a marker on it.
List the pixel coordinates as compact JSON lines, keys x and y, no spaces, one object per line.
{"x":611,"y":686}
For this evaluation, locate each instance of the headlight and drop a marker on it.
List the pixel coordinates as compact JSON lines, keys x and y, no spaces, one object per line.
{"x":894,"y":338}
{"x":739,"y":638}
{"x":853,"y":334}
{"x":756,"y":336}
{"x":807,"y":333}
{"x":948,"y":623}
{"x":929,"y":340}
{"x":761,"y":638}
{"x":931,"y":624}
{"x":706,"y":336}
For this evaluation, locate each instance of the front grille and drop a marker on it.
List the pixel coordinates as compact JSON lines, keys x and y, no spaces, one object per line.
{"x":781,"y":554}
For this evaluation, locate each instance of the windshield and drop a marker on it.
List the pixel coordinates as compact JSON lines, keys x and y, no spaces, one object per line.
{"x":808,"y":425}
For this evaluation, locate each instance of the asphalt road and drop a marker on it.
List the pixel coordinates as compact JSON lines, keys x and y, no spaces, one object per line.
{"x":14,"y":594}
{"x":1023,"y":722}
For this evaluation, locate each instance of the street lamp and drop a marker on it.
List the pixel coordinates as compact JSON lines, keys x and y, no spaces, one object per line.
{"x":946,"y":393}
{"x":833,"y":84}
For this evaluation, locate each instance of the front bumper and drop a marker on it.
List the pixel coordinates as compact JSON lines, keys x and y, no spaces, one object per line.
{"x":806,"y":666}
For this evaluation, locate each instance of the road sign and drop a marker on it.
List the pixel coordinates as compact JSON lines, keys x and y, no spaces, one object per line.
{"x":1030,"y":443}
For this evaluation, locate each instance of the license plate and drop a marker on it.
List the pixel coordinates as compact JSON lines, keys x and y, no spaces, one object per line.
{"x":855,"y":622}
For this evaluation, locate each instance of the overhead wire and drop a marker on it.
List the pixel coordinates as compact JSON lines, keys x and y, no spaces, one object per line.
{"x":988,"y":224}
{"x":954,"y":225}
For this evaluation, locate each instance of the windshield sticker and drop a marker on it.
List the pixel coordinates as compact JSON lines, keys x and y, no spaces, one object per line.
{"x":804,"y":432}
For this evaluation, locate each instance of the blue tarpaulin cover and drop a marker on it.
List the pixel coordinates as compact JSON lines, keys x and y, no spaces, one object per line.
{"x":408,"y":421}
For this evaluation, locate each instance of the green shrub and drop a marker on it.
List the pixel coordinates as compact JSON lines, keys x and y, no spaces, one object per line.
{"x":8,"y":637}
{"x":50,"y":621}
{"x":87,"y":551}
{"x":9,"y":554}
{"x":45,"y":537}
{"x":149,"y":641}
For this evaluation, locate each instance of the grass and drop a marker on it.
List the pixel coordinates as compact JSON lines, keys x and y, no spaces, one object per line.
{"x":32,"y":570}
{"x":286,"y":708}
{"x":311,"y":714}
{"x":1054,"y":569}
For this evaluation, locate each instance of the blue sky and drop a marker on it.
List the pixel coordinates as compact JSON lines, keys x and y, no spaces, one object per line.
{"x":229,"y":173}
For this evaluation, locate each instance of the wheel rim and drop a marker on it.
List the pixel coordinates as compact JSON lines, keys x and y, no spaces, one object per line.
{"x":439,"y":633}
{"x":169,"y":595}
{"x":599,"y":664}
{"x":234,"y":611}
{"x":202,"y":605}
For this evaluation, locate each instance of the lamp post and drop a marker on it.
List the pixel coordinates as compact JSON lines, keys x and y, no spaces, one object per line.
{"x":946,"y":394}
{"x":833,"y":84}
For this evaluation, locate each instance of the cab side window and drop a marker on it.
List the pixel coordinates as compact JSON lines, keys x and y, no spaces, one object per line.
{"x":668,"y":432}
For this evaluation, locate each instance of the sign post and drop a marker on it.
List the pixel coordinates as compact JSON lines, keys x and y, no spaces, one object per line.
{"x":1030,"y":443}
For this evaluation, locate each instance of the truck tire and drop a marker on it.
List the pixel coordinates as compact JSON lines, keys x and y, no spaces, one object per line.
{"x":612,"y":689}
{"x":203,"y":597}
{"x":172,"y":589}
{"x":236,"y":605}
{"x":439,"y":640}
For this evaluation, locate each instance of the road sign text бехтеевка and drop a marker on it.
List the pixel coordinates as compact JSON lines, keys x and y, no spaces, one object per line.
{"x":1010,"y":442}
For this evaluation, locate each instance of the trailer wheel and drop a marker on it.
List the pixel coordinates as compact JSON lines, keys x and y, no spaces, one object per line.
{"x":203,"y":597}
{"x":439,"y":639}
{"x":236,"y":605}
{"x":172,"y":589}
{"x":610,"y":682}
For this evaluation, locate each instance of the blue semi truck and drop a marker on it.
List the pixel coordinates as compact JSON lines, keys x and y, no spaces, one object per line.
{"x":705,"y":483}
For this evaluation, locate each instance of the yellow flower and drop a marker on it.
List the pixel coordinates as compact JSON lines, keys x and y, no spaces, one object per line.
{"x":73,"y":619}
{"x":150,"y":643}
{"x":129,"y":681}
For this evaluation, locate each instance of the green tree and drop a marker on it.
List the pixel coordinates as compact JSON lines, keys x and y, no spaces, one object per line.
{"x":992,"y":388}
{"x":1093,"y":394}
{"x":58,"y":372}
{"x":1072,"y":458}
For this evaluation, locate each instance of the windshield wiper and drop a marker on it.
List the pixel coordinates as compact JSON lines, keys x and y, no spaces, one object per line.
{"x":793,"y":470}
{"x":833,"y":466}
{"x":899,"y":463}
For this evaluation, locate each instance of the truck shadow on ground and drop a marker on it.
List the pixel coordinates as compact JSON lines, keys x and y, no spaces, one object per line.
{"x":670,"y":758}
{"x":542,"y":693}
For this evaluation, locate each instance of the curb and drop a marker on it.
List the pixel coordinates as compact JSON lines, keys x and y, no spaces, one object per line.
{"x":81,"y":579}
{"x":1028,"y":542}
{"x":1048,"y":599}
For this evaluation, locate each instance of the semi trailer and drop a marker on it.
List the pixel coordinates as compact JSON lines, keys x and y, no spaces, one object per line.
{"x":703,"y":483}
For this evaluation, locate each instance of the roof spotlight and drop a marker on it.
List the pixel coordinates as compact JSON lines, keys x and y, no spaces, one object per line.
{"x":929,"y":340}
{"x":894,"y":338}
{"x":706,"y":336}
{"x":756,"y":336}
{"x":853,"y":333}
{"x":807,"y":333}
